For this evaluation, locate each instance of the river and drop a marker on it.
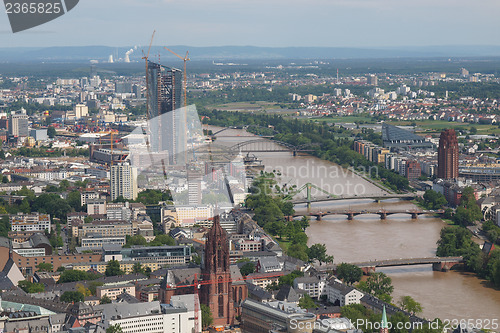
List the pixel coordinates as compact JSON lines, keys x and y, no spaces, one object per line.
{"x":447,"y":295}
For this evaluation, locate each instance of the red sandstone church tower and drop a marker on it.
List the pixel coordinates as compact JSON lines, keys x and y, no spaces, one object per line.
{"x":218,"y":294}
{"x":448,"y":155}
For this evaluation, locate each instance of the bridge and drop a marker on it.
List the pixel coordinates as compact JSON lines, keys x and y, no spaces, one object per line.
{"x":438,"y":263}
{"x":245,"y":128}
{"x":442,"y":264}
{"x":332,"y":197}
{"x":352,"y":213}
{"x":376,"y":197}
{"x":263,"y":145}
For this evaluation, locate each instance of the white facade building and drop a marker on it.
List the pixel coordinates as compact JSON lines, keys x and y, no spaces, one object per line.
{"x":123,"y":181}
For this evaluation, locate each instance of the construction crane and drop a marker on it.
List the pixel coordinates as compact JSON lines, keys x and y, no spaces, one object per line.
{"x":185,"y":59}
{"x":110,"y":132}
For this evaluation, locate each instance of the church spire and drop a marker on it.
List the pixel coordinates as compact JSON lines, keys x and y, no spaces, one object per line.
{"x":384,"y":327}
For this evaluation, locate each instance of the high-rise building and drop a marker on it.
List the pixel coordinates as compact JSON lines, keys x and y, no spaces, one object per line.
{"x":81,"y":110}
{"x":123,"y":181}
{"x":372,"y":80}
{"x":448,"y":155}
{"x":18,"y":123}
{"x":218,"y":295}
{"x":123,"y":87}
{"x":167,"y":125}
{"x":413,"y":170}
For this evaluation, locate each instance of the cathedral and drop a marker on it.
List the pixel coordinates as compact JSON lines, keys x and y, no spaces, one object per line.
{"x":222,"y":286}
{"x":218,"y":294}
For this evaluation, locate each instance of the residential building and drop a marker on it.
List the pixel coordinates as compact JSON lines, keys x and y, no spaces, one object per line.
{"x":96,"y":206}
{"x":88,"y":195}
{"x":106,"y":228}
{"x":413,"y":171}
{"x":30,"y":222}
{"x":342,"y":294}
{"x":97,"y":241}
{"x":314,"y":286}
{"x":152,"y":317}
{"x":123,"y":181}
{"x":112,"y":291}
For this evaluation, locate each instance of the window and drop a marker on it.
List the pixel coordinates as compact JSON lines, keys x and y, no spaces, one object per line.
{"x":221,"y":306}
{"x":221,"y":286}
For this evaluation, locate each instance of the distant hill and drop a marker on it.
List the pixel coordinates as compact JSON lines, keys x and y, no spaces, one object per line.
{"x":225,"y":53}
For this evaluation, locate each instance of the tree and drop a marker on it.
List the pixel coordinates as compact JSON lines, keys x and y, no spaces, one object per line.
{"x":304,"y":222}
{"x":72,"y":297}
{"x":31,"y":287}
{"x":434,"y":200}
{"x":136,"y":240}
{"x":379,"y":285}
{"x":408,"y":304}
{"x":298,"y":251}
{"x":113,"y":268}
{"x":137,"y":268}
{"x":162,"y":239}
{"x":93,"y":286}
{"x":318,"y":252}
{"x":114,"y":329}
{"x":206,"y":316}
{"x":72,"y":275}
{"x":247,"y":268}
{"x":306,"y":302}
{"x":74,"y":200}
{"x":83,"y":290}
{"x":51,"y":132}
{"x":468,"y":211}
{"x":105,"y":300}
{"x":397,"y":322}
{"x":289,"y":278}
{"x":45,"y":267}
{"x":349,"y":273}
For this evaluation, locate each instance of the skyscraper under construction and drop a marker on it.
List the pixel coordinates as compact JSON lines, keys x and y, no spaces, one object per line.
{"x":167,"y":128}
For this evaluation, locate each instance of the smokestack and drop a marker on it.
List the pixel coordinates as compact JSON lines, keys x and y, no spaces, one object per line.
{"x":127,"y":55}
{"x":110,"y":59}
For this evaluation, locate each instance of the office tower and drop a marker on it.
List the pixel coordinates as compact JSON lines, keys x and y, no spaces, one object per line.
{"x":18,"y":123}
{"x":167,"y":126}
{"x":448,"y":155}
{"x":81,"y":110}
{"x":123,"y":87}
{"x":194,"y":179}
{"x":137,"y":90}
{"x":372,"y":80}
{"x":123,"y":181}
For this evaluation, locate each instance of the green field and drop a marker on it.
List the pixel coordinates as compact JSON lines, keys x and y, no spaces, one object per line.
{"x":346,"y":119}
{"x":258,"y":106}
{"x":423,"y":126}
{"x":433,"y":126}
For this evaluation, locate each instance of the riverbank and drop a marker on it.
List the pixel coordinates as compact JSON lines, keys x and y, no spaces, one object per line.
{"x":369,"y":238}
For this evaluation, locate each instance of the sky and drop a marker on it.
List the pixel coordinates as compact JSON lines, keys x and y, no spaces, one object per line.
{"x":277,"y":23}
